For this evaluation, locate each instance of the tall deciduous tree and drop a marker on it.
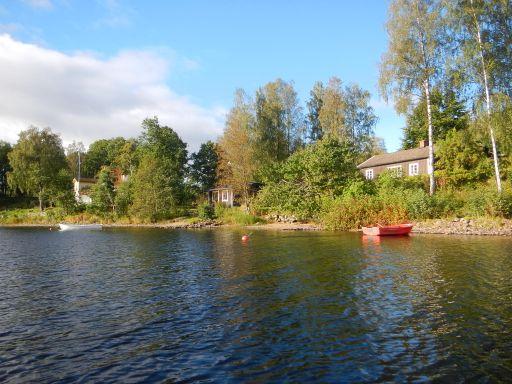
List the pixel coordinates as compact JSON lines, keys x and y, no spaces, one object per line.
{"x":413,"y":58}
{"x":39,"y":165}
{"x":126,"y":158}
{"x":315,"y":104}
{"x":103,"y":152}
{"x":345,"y":113}
{"x":475,"y":24}
{"x":203,"y":170}
{"x":279,"y":122}
{"x":154,"y":195}
{"x":332,"y":112}
{"x":103,"y":192}
{"x":158,"y":183}
{"x":360,"y":118}
{"x":237,"y":147}
{"x":5,"y":148}
{"x":75,"y":154}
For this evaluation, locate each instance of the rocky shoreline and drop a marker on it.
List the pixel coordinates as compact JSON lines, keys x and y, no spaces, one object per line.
{"x":456,"y":226}
{"x":463,"y":226}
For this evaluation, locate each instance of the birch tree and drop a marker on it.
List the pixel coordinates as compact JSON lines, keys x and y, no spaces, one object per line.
{"x":411,"y":66}
{"x":472,"y":20}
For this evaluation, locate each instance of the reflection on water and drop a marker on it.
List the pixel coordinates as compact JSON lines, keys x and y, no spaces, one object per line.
{"x":157,"y":305}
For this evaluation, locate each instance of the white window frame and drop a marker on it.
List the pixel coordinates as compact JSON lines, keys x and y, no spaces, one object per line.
{"x":369,"y":174}
{"x":414,"y":169}
{"x":397,"y":170}
{"x":226,"y":194}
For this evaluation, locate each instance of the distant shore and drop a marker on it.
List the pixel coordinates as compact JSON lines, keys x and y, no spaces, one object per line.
{"x":456,"y":226}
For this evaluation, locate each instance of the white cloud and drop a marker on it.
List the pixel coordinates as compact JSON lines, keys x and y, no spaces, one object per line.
{"x":39,"y":4}
{"x":85,"y":98}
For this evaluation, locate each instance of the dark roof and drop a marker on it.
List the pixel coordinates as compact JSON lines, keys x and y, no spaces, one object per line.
{"x":220,"y":187}
{"x":395,"y":157}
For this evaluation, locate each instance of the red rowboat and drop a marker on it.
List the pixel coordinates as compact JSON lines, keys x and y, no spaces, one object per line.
{"x":388,"y":230}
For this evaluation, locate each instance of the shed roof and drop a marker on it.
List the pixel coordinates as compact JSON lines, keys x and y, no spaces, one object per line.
{"x":396,"y":157}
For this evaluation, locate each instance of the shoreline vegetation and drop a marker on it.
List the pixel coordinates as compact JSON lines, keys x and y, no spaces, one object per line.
{"x":482,"y":226}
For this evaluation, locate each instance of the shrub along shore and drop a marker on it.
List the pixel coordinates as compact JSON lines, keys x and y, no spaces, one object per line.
{"x":235,"y":217}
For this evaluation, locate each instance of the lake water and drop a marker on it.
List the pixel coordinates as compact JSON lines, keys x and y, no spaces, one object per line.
{"x":131,"y":305}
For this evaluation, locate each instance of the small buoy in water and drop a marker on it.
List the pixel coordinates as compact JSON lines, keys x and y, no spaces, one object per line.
{"x":245,"y":237}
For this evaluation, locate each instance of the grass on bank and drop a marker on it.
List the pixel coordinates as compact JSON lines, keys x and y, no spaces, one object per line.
{"x":55,"y":215}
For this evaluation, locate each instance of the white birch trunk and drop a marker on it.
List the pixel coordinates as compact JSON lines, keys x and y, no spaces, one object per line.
{"x":430,"y":138}
{"x":487,"y":101}
{"x":426,"y":87}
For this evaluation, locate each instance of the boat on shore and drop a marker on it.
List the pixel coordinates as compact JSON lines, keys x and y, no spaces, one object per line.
{"x":73,"y":227}
{"x":388,"y":230}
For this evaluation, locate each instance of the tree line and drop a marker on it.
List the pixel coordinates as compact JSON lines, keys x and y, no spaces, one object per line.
{"x":456,"y":53}
{"x":262,"y":132}
{"x":162,"y":178}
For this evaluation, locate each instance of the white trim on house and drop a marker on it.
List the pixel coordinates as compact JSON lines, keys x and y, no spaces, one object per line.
{"x":369,"y":174}
{"x":396,"y":169}
{"x":224,"y":196}
{"x":414,"y":169}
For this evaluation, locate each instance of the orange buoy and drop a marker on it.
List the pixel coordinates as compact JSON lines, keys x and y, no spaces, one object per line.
{"x":245,"y":237}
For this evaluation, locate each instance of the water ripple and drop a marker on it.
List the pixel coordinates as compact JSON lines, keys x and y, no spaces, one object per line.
{"x":200,"y":306}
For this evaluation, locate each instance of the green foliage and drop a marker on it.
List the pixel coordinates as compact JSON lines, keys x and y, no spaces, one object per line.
{"x":278,"y":121}
{"x":297,"y":185}
{"x":203,"y":170}
{"x":157,"y":185}
{"x":101,"y":153}
{"x":5,"y":148}
{"x":415,"y":53}
{"x":206,"y":211}
{"x":75,"y":154}
{"x":289,"y":199}
{"x":235,"y":216}
{"x":56,"y":215}
{"x":23,"y":216}
{"x":360,"y":188}
{"x":448,"y":114}
{"x":238,"y":162}
{"x":353,"y":213}
{"x":315,"y":104}
{"x":485,"y":201}
{"x":154,"y":194}
{"x":343,"y":112}
{"x":39,"y":166}
{"x":124,"y":198}
{"x":461,"y":159}
{"x":103,"y":193}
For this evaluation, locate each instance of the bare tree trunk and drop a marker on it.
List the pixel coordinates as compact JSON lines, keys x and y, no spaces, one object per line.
{"x":487,"y":100}
{"x":430,"y":138}
{"x":40,"y":201}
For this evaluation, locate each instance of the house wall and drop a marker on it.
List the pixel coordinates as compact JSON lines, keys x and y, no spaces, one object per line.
{"x":215,"y":196}
{"x":422,"y":167}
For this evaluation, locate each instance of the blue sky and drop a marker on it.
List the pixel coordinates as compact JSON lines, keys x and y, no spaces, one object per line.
{"x":191,"y":52}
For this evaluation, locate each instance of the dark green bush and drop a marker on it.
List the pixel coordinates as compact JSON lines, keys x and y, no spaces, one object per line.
{"x":206,"y":211}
